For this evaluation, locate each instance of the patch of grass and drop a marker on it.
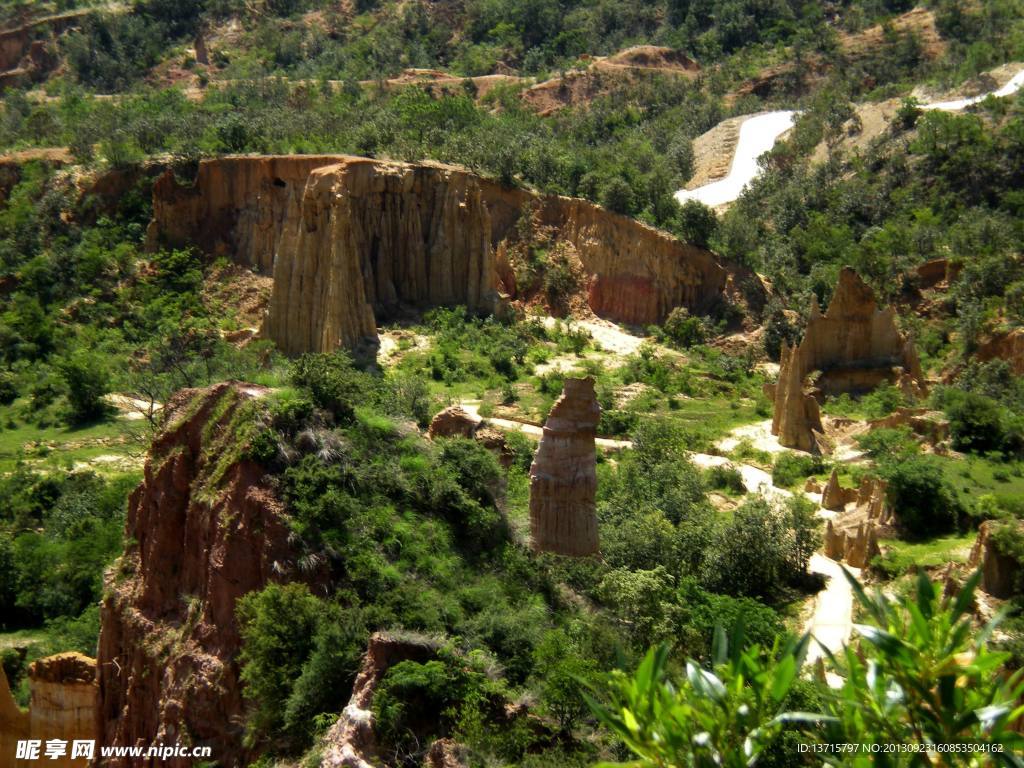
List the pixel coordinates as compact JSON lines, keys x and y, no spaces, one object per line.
{"x":899,"y":556}
{"x":56,"y":445}
{"x":975,"y":475}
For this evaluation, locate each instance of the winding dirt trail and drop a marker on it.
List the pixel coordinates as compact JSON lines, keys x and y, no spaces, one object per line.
{"x":831,"y":620}
{"x":758,"y":134}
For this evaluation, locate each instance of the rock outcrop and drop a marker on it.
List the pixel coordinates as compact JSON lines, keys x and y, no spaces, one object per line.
{"x":62,"y":706}
{"x":452,"y":421}
{"x":203,"y":529}
{"x":1000,"y":573}
{"x":563,"y":476}
{"x":13,"y":723}
{"x":853,"y":536}
{"x":371,"y":237}
{"x":931,"y":427}
{"x":29,"y":52}
{"x":1008,"y":346}
{"x":852,"y":348}
{"x":835,"y":496}
{"x":351,"y":741}
{"x":857,"y":546}
{"x":349,"y":239}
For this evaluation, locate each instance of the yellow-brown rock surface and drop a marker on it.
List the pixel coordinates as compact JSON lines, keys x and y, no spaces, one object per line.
{"x":999,"y":572}
{"x":1008,"y":346}
{"x":348,"y":239}
{"x":375,"y":235}
{"x":563,"y":476}
{"x":853,"y":347}
{"x":13,"y":724}
{"x":63,"y":706}
{"x":835,"y":496}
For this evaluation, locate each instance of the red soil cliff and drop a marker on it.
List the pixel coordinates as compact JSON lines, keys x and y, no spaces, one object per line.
{"x":203,"y":530}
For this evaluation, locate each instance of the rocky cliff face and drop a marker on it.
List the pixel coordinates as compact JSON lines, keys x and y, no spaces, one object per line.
{"x":351,"y":742}
{"x":372,"y":236}
{"x":1008,"y":346}
{"x":999,"y":572}
{"x":563,"y":476}
{"x":204,"y":530}
{"x":853,"y":347}
{"x":348,"y":239}
{"x":236,"y":207}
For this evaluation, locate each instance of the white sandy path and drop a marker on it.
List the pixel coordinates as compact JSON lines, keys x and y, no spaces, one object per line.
{"x":609,"y":336}
{"x":759,"y":435}
{"x":1014,"y":85}
{"x":758,"y":134}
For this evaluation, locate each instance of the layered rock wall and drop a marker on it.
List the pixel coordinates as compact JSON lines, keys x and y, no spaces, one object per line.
{"x":852,"y":348}
{"x":348,"y":239}
{"x":203,"y":530}
{"x":563,"y":476}
{"x":236,"y":206}
{"x":372,"y":236}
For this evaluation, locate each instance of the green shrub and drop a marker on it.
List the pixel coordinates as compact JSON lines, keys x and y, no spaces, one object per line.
{"x":923,"y":501}
{"x":333,"y":382}
{"x":8,"y":388}
{"x":682,"y":329}
{"x":976,"y":422}
{"x":791,"y":468}
{"x":696,"y":223}
{"x":86,"y":380}
{"x":725,"y":477}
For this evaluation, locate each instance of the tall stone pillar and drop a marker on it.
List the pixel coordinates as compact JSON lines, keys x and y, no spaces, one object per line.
{"x":563,"y":476}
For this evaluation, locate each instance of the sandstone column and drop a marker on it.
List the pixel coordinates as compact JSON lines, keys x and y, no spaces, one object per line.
{"x":563,"y":477}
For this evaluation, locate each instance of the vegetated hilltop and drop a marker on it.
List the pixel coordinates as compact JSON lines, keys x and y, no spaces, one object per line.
{"x":327,"y":557}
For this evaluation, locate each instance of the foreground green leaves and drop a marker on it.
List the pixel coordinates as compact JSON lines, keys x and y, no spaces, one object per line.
{"x":919,"y":688}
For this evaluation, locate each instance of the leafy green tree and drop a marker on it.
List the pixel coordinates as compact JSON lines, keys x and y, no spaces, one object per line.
{"x":618,"y":196}
{"x":976,"y":422}
{"x":696,"y":223}
{"x":753,"y":554}
{"x":683,"y":329}
{"x":86,"y":380}
{"x":725,"y":715}
{"x":278,"y":627}
{"x":923,"y":500}
{"x":920,"y":673}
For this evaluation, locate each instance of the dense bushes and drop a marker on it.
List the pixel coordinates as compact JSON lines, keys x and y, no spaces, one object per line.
{"x":732,"y":712}
{"x":980,"y":424}
{"x":57,"y":533}
{"x":923,"y":500}
{"x":791,"y":468}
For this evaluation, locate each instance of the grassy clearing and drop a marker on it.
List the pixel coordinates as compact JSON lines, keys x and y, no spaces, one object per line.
{"x":56,"y":445}
{"x":899,"y":556}
{"x":974,"y":476}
